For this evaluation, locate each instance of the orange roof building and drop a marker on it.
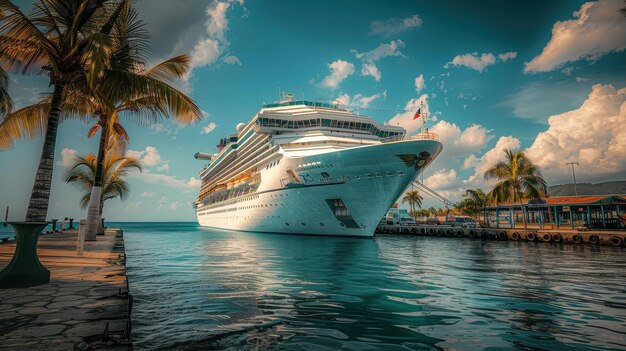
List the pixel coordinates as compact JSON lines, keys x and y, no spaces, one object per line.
{"x":590,"y":211}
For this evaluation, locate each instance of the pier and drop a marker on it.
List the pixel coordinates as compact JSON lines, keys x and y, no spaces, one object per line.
{"x":578,"y":237}
{"x":86,"y":305}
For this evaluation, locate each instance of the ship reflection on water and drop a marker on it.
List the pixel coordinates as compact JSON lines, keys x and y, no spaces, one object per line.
{"x":234,"y":291}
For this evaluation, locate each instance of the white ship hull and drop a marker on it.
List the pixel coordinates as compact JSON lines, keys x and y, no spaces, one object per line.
{"x":366,"y":179}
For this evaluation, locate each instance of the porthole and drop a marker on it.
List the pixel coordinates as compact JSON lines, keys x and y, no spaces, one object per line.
{"x":321,"y":224}
{"x":303,"y":224}
{"x":287,"y":224}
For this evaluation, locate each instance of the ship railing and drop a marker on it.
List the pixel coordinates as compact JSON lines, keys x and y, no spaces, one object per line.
{"x":391,"y":138}
{"x":425,"y":136}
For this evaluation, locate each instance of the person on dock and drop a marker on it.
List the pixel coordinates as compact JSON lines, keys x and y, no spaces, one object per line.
{"x":62,"y":224}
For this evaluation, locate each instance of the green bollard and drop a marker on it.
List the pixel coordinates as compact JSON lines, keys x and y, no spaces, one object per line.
{"x":25,"y":270}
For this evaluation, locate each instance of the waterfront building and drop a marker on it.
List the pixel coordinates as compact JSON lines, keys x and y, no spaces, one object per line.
{"x":568,"y":212}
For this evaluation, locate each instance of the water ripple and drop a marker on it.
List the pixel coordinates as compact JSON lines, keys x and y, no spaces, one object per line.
{"x":198,"y":289}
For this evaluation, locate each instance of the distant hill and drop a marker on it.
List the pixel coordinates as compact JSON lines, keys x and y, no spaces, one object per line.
{"x":607,"y":188}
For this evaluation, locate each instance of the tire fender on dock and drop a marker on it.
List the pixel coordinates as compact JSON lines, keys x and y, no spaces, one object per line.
{"x":502,"y":235}
{"x":546,"y":237}
{"x":615,"y":241}
{"x":531,"y":236}
{"x":593,"y":239}
{"x":557,"y":237}
{"x":577,"y":239}
{"x":515,"y":236}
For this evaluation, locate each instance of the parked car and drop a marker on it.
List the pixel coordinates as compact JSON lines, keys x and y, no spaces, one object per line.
{"x":407,"y":221}
{"x":463,"y":222}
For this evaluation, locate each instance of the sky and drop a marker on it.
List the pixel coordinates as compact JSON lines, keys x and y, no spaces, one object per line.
{"x":545,"y":77}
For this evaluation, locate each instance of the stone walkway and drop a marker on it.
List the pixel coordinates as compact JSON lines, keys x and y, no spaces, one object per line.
{"x":82,"y":297}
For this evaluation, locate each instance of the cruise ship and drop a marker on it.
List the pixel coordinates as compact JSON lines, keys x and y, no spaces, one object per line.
{"x":309,"y":167}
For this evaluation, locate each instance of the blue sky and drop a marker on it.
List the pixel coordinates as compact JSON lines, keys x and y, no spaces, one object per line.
{"x":545,"y":77}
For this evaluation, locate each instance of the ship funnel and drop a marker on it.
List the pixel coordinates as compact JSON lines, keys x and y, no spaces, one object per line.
{"x":202,"y":156}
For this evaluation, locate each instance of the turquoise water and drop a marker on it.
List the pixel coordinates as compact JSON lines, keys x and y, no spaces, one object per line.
{"x":201,"y":289}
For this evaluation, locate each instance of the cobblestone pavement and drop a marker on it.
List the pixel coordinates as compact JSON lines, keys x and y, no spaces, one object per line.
{"x":84,"y":294}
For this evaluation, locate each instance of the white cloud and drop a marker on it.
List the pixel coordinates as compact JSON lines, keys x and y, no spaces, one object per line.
{"x":480,"y":62}
{"x":442,"y":179}
{"x":339,"y":70}
{"x":149,"y":157}
{"x":593,"y":135}
{"x":232,"y":60}
{"x":209,"y":47}
{"x":343,"y":99}
{"x":152,"y":156}
{"x":596,"y":30}
{"x":209,"y":128}
{"x":507,"y":56}
{"x":193,"y":184}
{"x":166,"y":204}
{"x":394,"y":25}
{"x":370,"y":69}
{"x":461,"y":142}
{"x":405,"y":119}
{"x":147,"y":194}
{"x":359,"y":100}
{"x":68,"y":157}
{"x":368,"y":59}
{"x":381,"y":51}
{"x":473,"y":61}
{"x":582,"y":79}
{"x":419,"y":83}
{"x":163,"y":167}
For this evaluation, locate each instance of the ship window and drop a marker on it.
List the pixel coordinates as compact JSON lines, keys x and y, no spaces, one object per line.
{"x":303,"y":224}
{"x":325,"y":175}
{"x":321,"y":224}
{"x":287,"y":224}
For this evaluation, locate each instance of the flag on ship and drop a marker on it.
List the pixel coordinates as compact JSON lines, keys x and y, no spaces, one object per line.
{"x":418,"y":113}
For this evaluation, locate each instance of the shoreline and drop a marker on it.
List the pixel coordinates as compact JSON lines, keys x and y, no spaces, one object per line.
{"x":86,"y":303}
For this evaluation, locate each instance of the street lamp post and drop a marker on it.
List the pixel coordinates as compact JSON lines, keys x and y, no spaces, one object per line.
{"x":573,"y":174}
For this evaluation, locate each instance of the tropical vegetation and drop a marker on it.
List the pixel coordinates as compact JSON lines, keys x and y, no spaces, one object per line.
{"x":6,"y":104}
{"x":111,"y":80}
{"x":414,"y":199}
{"x":63,"y":40}
{"x":82,"y":173}
{"x":517,"y":179}
{"x":473,"y":202}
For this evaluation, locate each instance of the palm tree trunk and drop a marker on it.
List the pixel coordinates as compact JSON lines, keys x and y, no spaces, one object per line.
{"x":40,"y":195}
{"x":93,"y":211}
{"x":523,"y":213}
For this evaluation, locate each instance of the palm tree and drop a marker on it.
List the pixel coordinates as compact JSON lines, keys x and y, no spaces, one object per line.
{"x":83,"y":173}
{"x":145,"y":91}
{"x":473,"y":203}
{"x":518,"y":178}
{"x":125,"y":87}
{"x":414,"y":199}
{"x":6,"y":104}
{"x":62,"y":39}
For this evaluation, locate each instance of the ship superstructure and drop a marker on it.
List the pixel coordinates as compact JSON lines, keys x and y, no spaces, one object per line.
{"x":309,"y":167}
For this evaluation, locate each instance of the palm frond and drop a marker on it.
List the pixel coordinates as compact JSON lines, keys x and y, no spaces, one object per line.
{"x":6,"y":104}
{"x":171,"y":69}
{"x":28,"y":122}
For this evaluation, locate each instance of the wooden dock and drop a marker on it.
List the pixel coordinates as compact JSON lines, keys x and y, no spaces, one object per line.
{"x":86,"y":305}
{"x":597,"y":237}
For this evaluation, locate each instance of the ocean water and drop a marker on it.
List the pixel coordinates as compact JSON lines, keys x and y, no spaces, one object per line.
{"x":202,"y":289}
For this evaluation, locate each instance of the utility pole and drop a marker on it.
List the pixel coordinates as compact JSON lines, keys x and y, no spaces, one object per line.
{"x":573,"y":174}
